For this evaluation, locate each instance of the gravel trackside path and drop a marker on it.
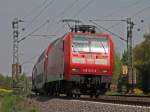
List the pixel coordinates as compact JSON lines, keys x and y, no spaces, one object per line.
{"x":46,"y":104}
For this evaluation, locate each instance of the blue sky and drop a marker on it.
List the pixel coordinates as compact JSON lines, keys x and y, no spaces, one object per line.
{"x":83,"y":10}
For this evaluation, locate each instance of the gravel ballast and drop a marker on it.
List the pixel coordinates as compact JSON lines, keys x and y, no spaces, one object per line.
{"x":70,"y":105}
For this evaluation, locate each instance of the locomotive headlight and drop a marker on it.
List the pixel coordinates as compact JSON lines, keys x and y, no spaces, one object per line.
{"x":104,"y":71}
{"x":75,"y":69}
{"x":78,"y":60}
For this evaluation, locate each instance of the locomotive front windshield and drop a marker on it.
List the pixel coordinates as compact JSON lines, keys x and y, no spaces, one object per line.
{"x":82,"y":43}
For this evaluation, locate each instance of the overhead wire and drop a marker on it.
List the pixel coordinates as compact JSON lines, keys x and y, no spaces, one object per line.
{"x":30,"y":59}
{"x":44,"y":35}
{"x":34,"y":19}
{"x":50,"y":3}
{"x":108,"y":31}
{"x":71,"y":5}
{"x":118,"y":23}
{"x":122,"y":8}
{"x":128,"y":6}
{"x":43,"y":3}
{"x":67,"y":9}
{"x":38,"y":15}
{"x":83,"y":8}
{"x":145,"y":9}
{"x":135,"y":3}
{"x":36,"y":8}
{"x":89,"y":2}
{"x":42,"y":25}
{"x":63,"y":12}
{"x":141,"y":11}
{"x":132,"y":16}
{"x":31,"y":12}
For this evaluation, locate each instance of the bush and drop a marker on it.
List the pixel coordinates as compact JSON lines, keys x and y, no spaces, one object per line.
{"x":14,"y":103}
{"x":5,"y":81}
{"x":138,"y":92}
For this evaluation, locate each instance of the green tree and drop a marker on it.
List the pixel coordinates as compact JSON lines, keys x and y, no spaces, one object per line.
{"x":123,"y":79}
{"x":124,"y":59}
{"x":116,"y":73}
{"x":142,"y":62}
{"x":117,"y":70}
{"x":5,"y":81}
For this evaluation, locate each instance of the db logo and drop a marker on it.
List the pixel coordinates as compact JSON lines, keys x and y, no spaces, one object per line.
{"x":89,"y":70}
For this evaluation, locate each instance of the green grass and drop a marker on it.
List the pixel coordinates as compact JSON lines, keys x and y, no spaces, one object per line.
{"x":117,"y":70}
{"x":112,"y":93}
{"x":15,"y":103}
{"x":8,"y":104}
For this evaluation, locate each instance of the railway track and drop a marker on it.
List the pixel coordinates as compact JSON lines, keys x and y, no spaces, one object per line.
{"x":127,"y":100}
{"x":86,"y":104}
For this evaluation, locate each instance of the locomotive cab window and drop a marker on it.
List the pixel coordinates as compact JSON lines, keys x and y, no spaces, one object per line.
{"x":80,"y":44}
{"x":85,"y":43}
{"x":99,"y":45}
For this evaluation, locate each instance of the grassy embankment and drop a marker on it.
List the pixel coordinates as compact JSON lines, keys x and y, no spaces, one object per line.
{"x":14,"y":103}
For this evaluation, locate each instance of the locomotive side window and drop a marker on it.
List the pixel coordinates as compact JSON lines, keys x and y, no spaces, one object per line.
{"x":41,"y":57}
{"x":63,"y":46}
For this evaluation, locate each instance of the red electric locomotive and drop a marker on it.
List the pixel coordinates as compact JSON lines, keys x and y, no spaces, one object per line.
{"x":81,"y":62}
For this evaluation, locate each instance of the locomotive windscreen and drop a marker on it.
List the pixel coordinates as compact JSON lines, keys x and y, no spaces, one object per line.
{"x":85,"y":43}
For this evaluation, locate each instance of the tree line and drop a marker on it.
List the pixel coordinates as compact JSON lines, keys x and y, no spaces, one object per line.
{"x":141,"y":62}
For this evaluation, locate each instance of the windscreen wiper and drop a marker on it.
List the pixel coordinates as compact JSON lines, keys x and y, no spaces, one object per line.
{"x":103,"y":47}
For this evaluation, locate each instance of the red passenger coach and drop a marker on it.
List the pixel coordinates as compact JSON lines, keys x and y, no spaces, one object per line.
{"x":81,"y":62}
